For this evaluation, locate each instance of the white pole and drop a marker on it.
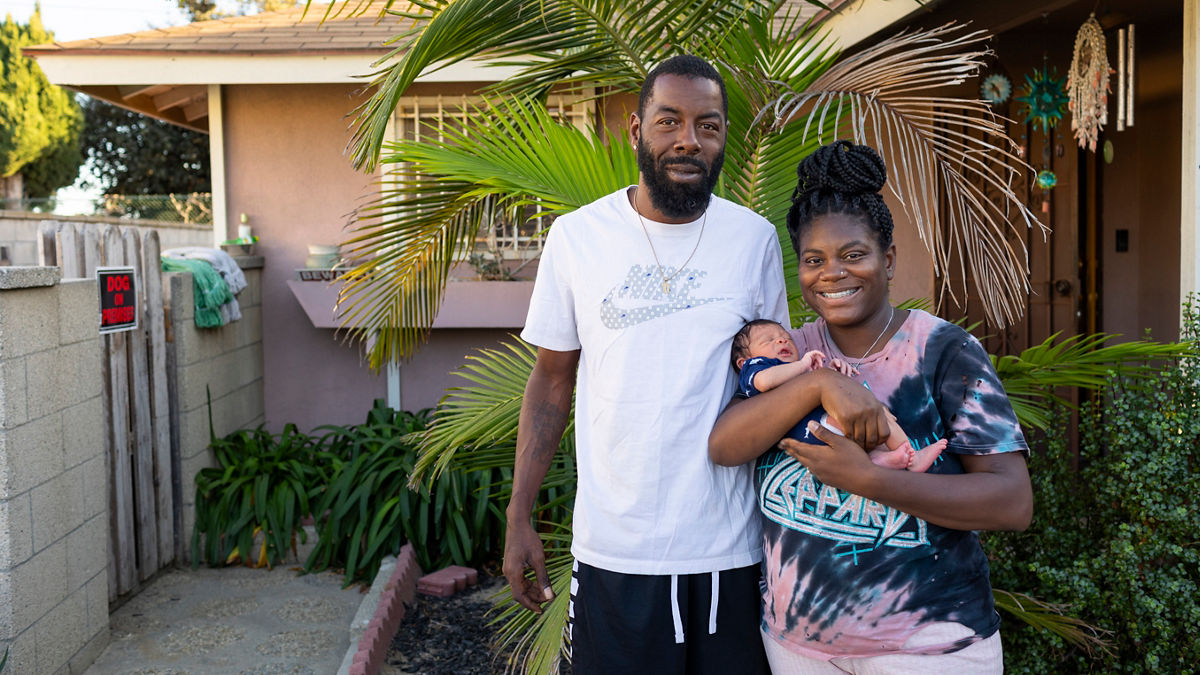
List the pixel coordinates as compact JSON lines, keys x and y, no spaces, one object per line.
{"x":216,"y":160}
{"x":1189,"y":260}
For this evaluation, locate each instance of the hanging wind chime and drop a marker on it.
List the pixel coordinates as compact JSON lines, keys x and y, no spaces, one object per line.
{"x":1125,"y":78}
{"x":1087,"y":84}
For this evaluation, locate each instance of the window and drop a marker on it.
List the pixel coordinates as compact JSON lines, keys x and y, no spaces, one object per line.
{"x":420,"y":117}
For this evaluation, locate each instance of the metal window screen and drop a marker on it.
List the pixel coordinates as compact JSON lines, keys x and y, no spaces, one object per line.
{"x":431,"y":117}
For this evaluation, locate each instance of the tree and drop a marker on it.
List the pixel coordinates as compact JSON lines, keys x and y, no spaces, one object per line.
{"x":130,"y":153}
{"x":39,"y":122}
{"x":206,"y":10}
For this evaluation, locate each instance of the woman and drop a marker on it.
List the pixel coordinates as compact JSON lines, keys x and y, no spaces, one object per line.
{"x":870,"y":570}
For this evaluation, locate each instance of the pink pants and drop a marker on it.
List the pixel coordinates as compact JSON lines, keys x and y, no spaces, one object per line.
{"x":982,"y":658}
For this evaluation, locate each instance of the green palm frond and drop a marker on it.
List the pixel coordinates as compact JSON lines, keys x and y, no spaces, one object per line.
{"x":534,"y":642}
{"x":576,"y":44}
{"x":476,"y":423}
{"x":761,"y":61}
{"x":475,"y":427}
{"x":1086,"y":361}
{"x":508,"y":157}
{"x":939,"y":149}
{"x":1051,"y":617}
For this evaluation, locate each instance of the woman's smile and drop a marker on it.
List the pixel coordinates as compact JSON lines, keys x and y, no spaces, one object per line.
{"x":837,"y":295}
{"x":844,"y":275}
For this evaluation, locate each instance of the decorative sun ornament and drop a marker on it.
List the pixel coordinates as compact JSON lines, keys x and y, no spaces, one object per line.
{"x":995,"y":89}
{"x":1046,"y":179}
{"x":1044,"y":98}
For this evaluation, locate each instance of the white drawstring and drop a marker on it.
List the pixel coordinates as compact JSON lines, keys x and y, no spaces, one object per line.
{"x":712,"y":603}
{"x":675,"y":609}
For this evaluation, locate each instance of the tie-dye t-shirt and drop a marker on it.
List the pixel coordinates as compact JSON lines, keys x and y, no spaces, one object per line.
{"x":849,"y":577}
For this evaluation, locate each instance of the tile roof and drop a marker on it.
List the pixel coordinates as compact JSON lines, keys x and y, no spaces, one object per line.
{"x":289,"y":31}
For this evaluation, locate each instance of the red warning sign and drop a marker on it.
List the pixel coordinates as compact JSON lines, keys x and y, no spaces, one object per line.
{"x":118,"y":298}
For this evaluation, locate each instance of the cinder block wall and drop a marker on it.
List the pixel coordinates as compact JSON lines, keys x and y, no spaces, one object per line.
{"x":228,"y":362}
{"x":53,"y":477}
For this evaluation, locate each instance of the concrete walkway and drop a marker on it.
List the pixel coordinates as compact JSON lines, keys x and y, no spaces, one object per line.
{"x":235,"y":621}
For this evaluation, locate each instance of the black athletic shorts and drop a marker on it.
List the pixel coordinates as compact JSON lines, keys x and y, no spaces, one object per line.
{"x":665,"y":624}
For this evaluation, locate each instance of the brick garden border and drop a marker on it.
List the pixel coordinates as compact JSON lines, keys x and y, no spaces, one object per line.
{"x":367,"y":656}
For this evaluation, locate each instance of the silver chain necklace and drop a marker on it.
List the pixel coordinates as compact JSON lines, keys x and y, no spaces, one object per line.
{"x":868,"y":352}
{"x":666,"y":280}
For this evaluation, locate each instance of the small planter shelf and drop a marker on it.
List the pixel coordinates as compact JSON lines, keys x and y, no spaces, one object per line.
{"x":466,"y":304}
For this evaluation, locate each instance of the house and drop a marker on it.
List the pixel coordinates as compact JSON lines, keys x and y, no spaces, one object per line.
{"x":277,"y":93}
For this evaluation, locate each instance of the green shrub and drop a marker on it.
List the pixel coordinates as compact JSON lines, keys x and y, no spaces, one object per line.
{"x":354,"y":480}
{"x":368,"y":510}
{"x":262,"y":483}
{"x":1116,"y":541}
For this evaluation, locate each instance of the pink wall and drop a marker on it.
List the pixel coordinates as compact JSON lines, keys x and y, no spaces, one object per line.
{"x":287,"y":170}
{"x":914,"y":266}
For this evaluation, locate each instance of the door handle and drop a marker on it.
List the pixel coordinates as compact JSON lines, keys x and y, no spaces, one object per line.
{"x":1063,"y":287}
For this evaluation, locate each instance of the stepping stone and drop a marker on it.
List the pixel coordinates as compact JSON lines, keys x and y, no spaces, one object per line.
{"x":448,"y":581}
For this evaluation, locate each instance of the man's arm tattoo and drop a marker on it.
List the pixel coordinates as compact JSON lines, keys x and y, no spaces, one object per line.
{"x":547,"y":422}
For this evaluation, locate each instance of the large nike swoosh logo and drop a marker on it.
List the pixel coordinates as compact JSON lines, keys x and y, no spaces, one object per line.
{"x":616,"y":317}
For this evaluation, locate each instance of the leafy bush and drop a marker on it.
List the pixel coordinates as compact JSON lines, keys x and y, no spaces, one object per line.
{"x":368,"y":510}
{"x":262,"y":483}
{"x":355,"y":481}
{"x":1116,"y":541}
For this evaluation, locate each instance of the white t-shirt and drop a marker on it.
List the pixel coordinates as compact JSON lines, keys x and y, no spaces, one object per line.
{"x":653,"y":375}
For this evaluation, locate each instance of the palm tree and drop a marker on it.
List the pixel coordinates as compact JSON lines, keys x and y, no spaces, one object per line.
{"x":785,"y":95}
{"x":510,"y":157}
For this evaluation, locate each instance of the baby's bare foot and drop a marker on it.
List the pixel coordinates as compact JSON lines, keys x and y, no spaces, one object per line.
{"x":926,"y":456}
{"x":892,"y":459}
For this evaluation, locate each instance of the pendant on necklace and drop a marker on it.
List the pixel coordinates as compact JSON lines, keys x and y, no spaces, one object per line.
{"x":666,"y":287}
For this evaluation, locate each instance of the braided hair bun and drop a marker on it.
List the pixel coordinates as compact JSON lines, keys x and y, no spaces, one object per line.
{"x":841,"y":178}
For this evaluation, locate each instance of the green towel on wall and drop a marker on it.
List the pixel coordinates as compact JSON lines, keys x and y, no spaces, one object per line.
{"x":209,"y":289}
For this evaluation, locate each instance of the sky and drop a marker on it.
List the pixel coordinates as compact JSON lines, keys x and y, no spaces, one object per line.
{"x":79,"y":19}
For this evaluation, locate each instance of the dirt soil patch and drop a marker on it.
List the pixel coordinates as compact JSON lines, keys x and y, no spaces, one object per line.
{"x":448,"y":636}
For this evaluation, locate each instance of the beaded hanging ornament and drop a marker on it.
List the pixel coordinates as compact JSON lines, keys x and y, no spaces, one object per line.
{"x":1044,"y":100}
{"x":1087,"y":84}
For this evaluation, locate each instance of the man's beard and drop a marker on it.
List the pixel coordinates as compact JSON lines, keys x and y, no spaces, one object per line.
{"x":677,"y":200}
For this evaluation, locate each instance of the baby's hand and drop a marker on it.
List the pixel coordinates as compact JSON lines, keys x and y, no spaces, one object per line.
{"x":811,"y":360}
{"x":843,"y":367}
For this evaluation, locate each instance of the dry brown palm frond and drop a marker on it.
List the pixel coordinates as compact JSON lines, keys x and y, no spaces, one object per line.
{"x":941,"y":151}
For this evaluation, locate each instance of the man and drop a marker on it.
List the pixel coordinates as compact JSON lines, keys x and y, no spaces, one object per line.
{"x":640,"y":292}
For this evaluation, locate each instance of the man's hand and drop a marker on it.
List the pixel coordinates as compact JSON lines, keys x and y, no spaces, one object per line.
{"x":522,"y":550}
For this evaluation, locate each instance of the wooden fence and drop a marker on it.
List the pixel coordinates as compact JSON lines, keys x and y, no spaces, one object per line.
{"x":137,"y":417}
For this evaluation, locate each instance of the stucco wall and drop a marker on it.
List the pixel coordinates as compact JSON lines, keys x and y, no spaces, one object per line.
{"x":53,"y":476}
{"x":226,"y":362}
{"x":288,"y":171}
